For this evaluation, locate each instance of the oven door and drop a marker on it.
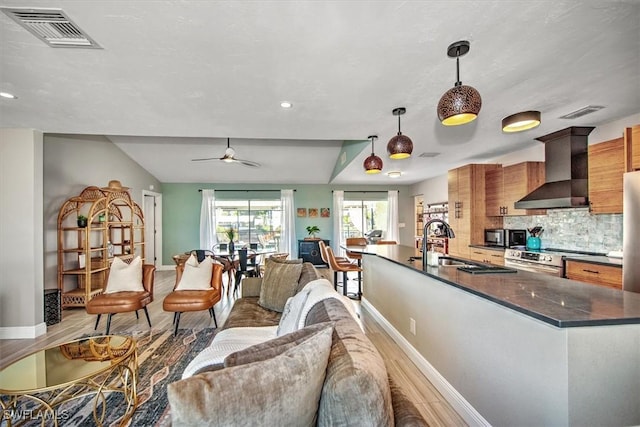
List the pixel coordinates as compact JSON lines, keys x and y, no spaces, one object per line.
{"x":534,"y":268}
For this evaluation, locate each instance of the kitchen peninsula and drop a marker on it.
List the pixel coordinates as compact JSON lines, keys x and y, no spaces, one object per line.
{"x":511,"y":348}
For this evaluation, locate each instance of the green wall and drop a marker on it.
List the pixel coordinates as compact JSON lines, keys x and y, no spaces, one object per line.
{"x":181,"y":210}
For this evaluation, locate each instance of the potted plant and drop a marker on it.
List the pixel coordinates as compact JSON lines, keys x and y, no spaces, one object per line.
{"x":312,"y":230}
{"x":231,"y":234}
{"x":82,"y":221}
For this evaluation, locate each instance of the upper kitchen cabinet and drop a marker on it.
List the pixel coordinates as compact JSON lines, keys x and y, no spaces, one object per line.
{"x":506,"y":185}
{"x":467,"y":207}
{"x":606,"y":167}
{"x":632,"y":148}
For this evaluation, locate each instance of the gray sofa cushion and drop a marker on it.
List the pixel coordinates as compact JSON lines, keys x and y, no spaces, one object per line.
{"x":308,"y":274}
{"x":356,"y":388}
{"x":279,"y":284}
{"x":280,"y":391}
{"x":246,"y":312}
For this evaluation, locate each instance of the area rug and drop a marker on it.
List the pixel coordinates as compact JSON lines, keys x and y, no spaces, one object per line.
{"x":161,"y":360}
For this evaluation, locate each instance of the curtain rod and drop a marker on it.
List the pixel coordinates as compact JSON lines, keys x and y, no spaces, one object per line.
{"x":246,"y":191}
{"x":371,"y":191}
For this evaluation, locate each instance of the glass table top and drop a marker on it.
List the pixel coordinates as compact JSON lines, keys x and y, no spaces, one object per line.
{"x":64,"y":363}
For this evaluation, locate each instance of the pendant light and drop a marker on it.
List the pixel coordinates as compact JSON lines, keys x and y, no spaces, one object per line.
{"x":460,"y":104}
{"x":373,"y":163}
{"x":521,"y":121}
{"x":400,"y":146}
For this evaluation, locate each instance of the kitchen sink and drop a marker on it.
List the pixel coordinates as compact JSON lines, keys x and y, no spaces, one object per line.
{"x":449,"y":261}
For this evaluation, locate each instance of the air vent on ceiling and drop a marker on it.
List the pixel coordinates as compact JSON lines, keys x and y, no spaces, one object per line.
{"x":582,"y":112}
{"x":428,"y":155}
{"x":51,"y":26}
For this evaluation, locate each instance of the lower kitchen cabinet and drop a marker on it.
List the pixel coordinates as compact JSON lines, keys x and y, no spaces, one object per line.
{"x":596,"y":274}
{"x":489,"y":256}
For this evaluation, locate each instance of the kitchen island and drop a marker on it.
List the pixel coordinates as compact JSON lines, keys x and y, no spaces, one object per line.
{"x":511,"y":348}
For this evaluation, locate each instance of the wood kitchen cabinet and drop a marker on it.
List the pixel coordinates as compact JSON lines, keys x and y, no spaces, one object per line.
{"x":467,"y":207}
{"x":506,"y":185}
{"x":597,"y":274}
{"x":632,"y":148}
{"x":606,"y":168}
{"x":488,"y":256}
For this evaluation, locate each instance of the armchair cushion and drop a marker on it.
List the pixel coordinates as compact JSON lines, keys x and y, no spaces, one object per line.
{"x":196,"y":276}
{"x":279,"y":284}
{"x":125,"y":277}
{"x":283,"y":390}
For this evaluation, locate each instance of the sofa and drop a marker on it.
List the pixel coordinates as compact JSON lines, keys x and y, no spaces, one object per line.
{"x":355,"y":388}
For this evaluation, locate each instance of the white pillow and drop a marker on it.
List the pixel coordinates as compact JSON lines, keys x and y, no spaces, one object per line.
{"x":125,"y":277}
{"x":292,"y":311}
{"x":196,"y":276}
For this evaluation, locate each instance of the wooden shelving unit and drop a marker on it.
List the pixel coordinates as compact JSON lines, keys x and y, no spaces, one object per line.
{"x":83,"y":252}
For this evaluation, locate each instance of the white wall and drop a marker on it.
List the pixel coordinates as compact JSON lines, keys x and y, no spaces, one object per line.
{"x":21,"y":263}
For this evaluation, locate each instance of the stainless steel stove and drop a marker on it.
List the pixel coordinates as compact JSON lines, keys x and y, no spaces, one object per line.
{"x":548,"y":261}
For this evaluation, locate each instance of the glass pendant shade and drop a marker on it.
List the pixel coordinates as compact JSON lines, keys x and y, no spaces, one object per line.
{"x":521,"y":121}
{"x":460,"y":104}
{"x":373,"y":163}
{"x":400,"y":146}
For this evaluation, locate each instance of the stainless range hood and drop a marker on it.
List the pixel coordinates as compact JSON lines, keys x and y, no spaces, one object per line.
{"x":566,"y":171}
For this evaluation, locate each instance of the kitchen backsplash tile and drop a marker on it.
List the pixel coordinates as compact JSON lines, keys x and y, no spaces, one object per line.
{"x":574,"y":229}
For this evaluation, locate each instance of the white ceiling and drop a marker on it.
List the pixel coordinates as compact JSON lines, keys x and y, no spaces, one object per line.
{"x":176,"y":78}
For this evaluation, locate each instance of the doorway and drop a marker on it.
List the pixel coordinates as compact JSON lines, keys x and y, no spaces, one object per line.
{"x":152,"y":210}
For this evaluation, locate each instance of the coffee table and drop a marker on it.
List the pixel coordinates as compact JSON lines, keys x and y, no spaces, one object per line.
{"x":57,"y":374}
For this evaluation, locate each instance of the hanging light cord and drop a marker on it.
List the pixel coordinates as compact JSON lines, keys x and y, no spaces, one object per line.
{"x":458,"y":82}
{"x":372,"y":139}
{"x":399,"y":133}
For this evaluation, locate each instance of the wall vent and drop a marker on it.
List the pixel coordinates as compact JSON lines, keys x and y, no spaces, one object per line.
{"x":51,"y":26}
{"x":582,"y":112}
{"x":429,"y":155}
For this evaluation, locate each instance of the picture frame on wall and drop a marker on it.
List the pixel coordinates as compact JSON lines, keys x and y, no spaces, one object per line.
{"x":302,"y":212}
{"x":313,"y":212}
{"x":325,"y":212}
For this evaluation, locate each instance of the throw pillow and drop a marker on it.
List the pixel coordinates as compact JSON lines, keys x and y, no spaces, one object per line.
{"x":274,"y":347}
{"x":196,"y":276}
{"x":279,"y":284}
{"x":125,"y":277}
{"x":286,"y":261}
{"x":281,"y":391}
{"x":292,"y":311}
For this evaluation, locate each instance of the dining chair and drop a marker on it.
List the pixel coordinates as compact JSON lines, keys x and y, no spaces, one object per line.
{"x":243,"y":267}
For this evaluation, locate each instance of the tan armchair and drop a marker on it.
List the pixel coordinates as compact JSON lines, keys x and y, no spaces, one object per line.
{"x":180,"y":301}
{"x":126,"y":301}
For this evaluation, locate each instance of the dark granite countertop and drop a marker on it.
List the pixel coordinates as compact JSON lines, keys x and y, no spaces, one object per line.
{"x":559,"y":302}
{"x":602,"y":260}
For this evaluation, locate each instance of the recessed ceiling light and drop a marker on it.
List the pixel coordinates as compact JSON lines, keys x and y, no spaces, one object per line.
{"x":394,"y":174}
{"x":8,"y":95}
{"x":286,"y":104}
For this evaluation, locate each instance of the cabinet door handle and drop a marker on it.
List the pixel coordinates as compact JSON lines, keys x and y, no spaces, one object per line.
{"x":506,"y":210}
{"x":591,"y":271}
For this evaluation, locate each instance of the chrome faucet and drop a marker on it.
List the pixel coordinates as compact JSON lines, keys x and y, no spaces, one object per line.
{"x":448,"y":231}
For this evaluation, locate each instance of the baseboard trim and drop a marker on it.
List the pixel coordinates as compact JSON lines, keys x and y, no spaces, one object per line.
{"x":455,"y":399}
{"x":22,"y":332}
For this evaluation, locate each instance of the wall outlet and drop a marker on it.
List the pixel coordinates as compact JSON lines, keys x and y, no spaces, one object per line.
{"x":412,"y":325}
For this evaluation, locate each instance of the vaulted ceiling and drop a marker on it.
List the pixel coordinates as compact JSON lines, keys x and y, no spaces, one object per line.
{"x":174,"y":79}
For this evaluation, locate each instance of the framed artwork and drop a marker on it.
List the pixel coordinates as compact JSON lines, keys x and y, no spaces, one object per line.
{"x":325,"y":212}
{"x":302,"y":212}
{"x":313,"y":212}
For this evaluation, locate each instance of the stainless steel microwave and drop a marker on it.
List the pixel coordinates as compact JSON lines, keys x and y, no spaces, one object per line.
{"x":504,"y":238}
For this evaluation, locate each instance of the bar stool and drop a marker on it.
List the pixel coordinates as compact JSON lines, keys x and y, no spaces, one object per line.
{"x":344,"y":268}
{"x":341,"y":260}
{"x":356,"y":241}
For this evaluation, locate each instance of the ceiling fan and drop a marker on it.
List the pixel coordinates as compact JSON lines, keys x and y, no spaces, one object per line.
{"x":230,"y":157}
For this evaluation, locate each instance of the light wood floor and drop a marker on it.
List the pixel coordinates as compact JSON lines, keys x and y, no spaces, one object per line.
{"x":76,"y":322}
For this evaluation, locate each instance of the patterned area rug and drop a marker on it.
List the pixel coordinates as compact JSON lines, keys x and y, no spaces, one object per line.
{"x":161,"y":360}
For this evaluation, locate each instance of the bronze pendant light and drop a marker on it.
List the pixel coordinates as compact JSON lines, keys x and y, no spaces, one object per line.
{"x":400,"y":146}
{"x":373,"y":163}
{"x":521,"y":121}
{"x":460,"y":104}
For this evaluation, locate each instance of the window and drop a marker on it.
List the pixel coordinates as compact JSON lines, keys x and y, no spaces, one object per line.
{"x":255,"y":221}
{"x":361,"y":216}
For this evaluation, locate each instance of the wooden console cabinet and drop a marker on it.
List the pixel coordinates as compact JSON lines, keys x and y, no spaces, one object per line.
{"x":309,"y":251}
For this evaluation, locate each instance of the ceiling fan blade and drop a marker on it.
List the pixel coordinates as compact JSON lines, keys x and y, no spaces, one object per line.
{"x":203,"y":160}
{"x":248,"y":163}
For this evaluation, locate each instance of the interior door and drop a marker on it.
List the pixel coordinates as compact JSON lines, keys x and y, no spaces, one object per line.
{"x":150,"y":228}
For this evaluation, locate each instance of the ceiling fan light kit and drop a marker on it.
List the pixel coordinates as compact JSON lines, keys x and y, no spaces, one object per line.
{"x":400,"y":146}
{"x":372,"y":164}
{"x":460,"y":104}
{"x":230,"y":157}
{"x":522,"y":121}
